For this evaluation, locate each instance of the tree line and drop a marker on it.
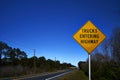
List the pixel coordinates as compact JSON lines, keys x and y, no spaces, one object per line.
{"x":13,"y":61}
{"x":105,"y":62}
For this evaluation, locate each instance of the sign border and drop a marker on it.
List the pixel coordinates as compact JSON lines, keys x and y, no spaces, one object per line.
{"x":81,"y":45}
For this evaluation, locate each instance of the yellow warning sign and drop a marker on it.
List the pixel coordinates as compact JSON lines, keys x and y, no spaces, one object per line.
{"x":89,"y":36}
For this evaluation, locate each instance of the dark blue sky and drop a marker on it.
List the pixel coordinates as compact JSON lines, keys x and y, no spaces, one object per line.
{"x":48,"y":25}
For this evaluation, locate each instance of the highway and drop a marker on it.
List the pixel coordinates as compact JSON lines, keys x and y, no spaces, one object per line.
{"x":52,"y":76}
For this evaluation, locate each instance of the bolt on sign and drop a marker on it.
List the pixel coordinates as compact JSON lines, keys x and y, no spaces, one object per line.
{"x":89,"y":36}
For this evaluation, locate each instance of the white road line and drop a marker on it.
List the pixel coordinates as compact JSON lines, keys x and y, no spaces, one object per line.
{"x":56,"y":76}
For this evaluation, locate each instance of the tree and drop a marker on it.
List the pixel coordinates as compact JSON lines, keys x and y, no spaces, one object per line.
{"x":41,"y":62}
{"x":115,"y":45}
{"x":14,"y":55}
{"x":57,"y":64}
{"x":31,"y":61}
{"x":3,"y":48}
{"x":51,"y":64}
{"x":10,"y":55}
{"x":82,"y":65}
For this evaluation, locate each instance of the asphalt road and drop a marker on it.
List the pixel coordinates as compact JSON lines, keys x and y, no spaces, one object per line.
{"x":53,"y":76}
{"x":50,"y":76}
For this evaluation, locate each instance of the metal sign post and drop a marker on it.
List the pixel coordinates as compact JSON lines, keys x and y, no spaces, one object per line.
{"x":89,"y":67}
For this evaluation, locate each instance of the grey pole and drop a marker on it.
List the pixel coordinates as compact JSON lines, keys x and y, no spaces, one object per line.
{"x":89,"y":68}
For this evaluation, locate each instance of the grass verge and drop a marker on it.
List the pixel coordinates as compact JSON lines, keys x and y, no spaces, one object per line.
{"x":77,"y":75}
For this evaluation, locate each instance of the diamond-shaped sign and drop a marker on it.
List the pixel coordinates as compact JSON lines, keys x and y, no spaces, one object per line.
{"x":89,"y":36}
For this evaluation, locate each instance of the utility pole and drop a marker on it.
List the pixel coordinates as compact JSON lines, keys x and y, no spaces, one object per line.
{"x":55,"y":59}
{"x":34,"y":62}
{"x":55,"y":62}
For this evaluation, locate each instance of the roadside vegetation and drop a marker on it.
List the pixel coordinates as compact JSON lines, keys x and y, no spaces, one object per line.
{"x":76,"y":75}
{"x":14,"y":62}
{"x":105,"y":61}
